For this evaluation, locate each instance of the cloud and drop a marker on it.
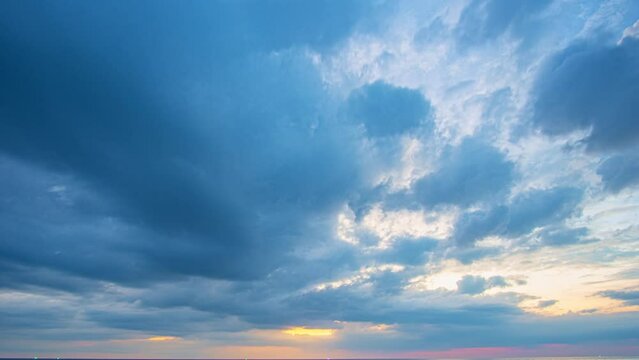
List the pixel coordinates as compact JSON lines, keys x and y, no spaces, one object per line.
{"x":560,"y":235}
{"x":409,"y":251}
{"x":525,"y":212}
{"x":632,"y":31}
{"x":215,"y":175}
{"x":474,"y":225}
{"x":546,"y":303}
{"x":24,"y":312}
{"x":619,"y":171}
{"x":542,"y":206}
{"x":568,"y":329}
{"x":469,"y":173}
{"x":467,"y":255}
{"x":628,"y":297}
{"x":429,"y":33}
{"x":173,"y":323}
{"x":475,"y":285}
{"x":592,"y":87}
{"x":483,"y":21}
{"x":387,"y":110}
{"x":280,"y":24}
{"x":187,"y":172}
{"x":349,"y":304}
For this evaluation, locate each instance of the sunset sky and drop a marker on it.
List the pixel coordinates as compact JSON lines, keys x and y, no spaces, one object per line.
{"x":294,"y":179}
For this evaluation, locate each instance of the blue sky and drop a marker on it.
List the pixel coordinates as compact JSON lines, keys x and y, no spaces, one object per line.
{"x":319,"y":179}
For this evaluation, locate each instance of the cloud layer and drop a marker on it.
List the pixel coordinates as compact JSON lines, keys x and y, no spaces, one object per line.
{"x":197,"y":179}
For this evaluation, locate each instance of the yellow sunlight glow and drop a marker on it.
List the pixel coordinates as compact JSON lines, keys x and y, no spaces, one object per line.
{"x":303,"y":331}
{"x":161,"y":338}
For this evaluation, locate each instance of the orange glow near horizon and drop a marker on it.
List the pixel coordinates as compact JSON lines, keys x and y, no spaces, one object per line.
{"x":304,"y":331}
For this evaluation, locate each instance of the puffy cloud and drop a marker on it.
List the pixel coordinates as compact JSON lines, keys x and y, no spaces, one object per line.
{"x":387,"y":110}
{"x":592,"y":87}
{"x":474,"y":285}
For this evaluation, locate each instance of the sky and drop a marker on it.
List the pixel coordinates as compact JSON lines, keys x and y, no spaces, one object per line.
{"x":295,"y":179}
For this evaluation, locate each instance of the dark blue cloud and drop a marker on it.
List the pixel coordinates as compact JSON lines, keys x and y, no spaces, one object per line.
{"x":52,"y":221}
{"x":619,"y":171}
{"x":40,"y":279}
{"x":208,"y":154}
{"x":387,"y":110}
{"x":592,"y":86}
{"x":156,"y":145}
{"x":469,"y":173}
